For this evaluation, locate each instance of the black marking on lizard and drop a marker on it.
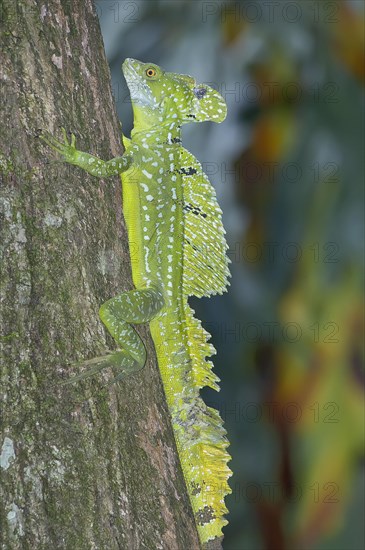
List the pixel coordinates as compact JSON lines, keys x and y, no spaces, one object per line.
{"x":188,"y":171}
{"x":195,"y":210}
{"x":206,"y":515}
{"x":199,"y":92}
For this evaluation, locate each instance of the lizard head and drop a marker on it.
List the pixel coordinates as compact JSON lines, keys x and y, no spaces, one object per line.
{"x":165,"y":97}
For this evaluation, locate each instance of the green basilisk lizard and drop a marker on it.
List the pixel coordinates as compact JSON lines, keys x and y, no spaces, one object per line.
{"x":173,"y":218}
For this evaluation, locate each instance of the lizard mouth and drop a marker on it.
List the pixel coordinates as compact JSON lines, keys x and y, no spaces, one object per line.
{"x":140,"y":91}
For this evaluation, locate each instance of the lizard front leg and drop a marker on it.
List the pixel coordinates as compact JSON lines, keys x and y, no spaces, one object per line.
{"x":91,"y":164}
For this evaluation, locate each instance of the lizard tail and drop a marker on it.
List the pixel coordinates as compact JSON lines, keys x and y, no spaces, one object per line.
{"x":206,"y":454}
{"x":182,"y":347}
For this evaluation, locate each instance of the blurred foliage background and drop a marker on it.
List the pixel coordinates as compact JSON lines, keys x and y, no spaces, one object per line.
{"x":288,"y":168}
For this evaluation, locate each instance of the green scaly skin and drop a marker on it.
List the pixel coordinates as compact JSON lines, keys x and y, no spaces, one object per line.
{"x":174,"y":226}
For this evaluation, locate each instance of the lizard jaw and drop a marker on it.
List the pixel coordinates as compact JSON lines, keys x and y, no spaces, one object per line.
{"x":141,"y":93}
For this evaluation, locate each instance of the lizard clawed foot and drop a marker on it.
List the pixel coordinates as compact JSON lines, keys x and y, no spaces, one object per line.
{"x":97,"y":364}
{"x":125,"y":364}
{"x":64,"y":147}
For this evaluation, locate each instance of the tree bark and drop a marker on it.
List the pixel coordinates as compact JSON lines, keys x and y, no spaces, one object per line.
{"x":87,"y":465}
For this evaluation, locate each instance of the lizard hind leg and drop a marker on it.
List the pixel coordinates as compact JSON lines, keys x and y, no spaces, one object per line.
{"x":135,"y":306}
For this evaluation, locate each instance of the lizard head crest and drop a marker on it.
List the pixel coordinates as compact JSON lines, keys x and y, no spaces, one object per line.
{"x":171,"y":96}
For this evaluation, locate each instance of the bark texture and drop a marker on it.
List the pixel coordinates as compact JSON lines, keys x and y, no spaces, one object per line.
{"x":82,"y":466}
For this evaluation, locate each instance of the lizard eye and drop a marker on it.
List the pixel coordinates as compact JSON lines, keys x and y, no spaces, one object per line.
{"x":151,"y":72}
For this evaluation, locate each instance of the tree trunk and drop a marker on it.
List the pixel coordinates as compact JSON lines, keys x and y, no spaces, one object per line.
{"x":87,"y":465}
